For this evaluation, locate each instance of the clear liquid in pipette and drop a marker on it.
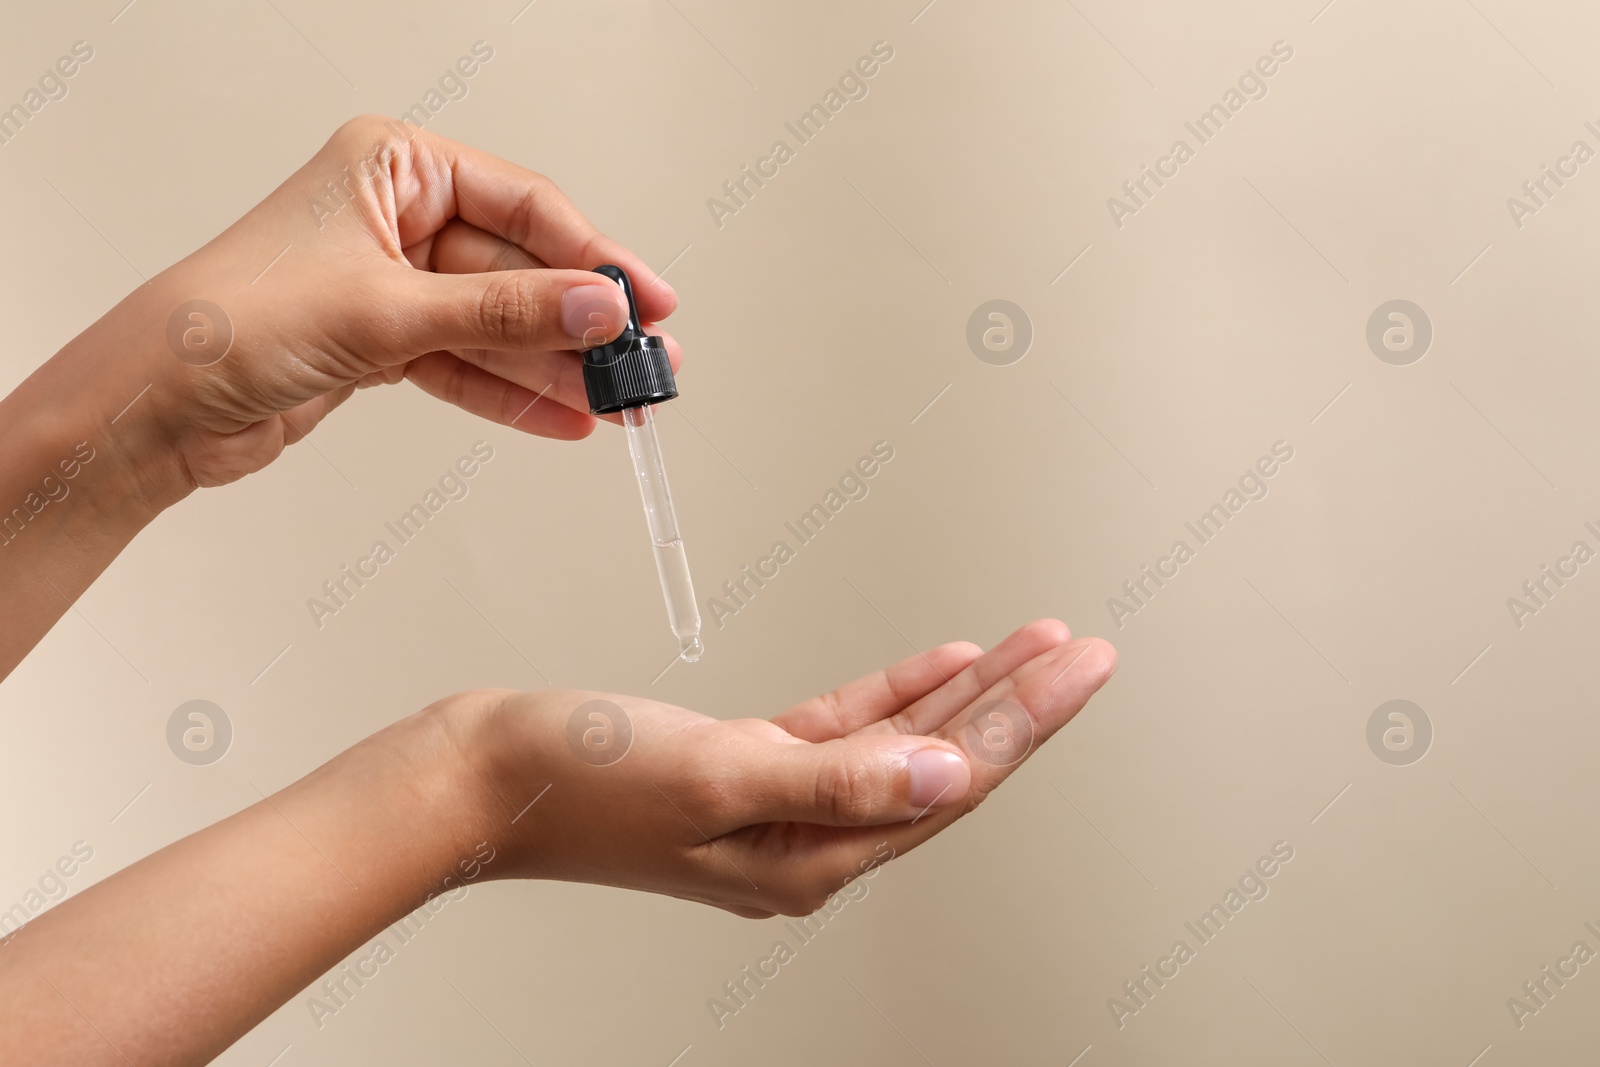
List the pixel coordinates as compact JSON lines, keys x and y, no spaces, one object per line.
{"x":672,"y":563}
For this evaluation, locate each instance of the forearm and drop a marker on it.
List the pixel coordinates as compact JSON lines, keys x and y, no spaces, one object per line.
{"x":243,"y":914}
{"x":81,"y":475}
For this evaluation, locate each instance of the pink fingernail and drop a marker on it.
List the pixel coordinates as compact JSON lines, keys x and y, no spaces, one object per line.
{"x":593,"y":313}
{"x":937,"y":776}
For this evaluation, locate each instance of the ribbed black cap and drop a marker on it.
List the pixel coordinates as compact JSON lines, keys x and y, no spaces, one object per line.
{"x":633,"y":369}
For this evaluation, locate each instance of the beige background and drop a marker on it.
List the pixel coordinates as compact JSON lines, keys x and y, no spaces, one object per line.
{"x":825,"y":316}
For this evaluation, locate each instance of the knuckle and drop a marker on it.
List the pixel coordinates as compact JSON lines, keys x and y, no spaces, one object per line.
{"x":370,"y":145}
{"x":832,"y":706}
{"x":508,"y":309}
{"x":848,"y":790}
{"x":524,"y":217}
{"x":591,"y":251}
{"x":510,"y":257}
{"x":363,"y":132}
{"x":454,"y":385}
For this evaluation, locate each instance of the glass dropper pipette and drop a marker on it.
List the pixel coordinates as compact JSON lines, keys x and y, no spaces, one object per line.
{"x":672,"y":562}
{"x":630,"y":374}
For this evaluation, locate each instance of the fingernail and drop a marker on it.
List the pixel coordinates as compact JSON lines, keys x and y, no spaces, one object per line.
{"x":937,"y":776}
{"x":593,"y":313}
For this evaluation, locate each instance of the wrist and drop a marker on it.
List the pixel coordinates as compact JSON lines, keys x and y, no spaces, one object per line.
{"x":511,"y":747}
{"x":419,"y":824}
{"x":94,"y":397}
{"x":77,"y":486}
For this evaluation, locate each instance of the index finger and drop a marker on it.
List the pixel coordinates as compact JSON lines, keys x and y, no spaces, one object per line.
{"x":868,"y":700}
{"x":999,"y":731}
{"x":528,"y":210}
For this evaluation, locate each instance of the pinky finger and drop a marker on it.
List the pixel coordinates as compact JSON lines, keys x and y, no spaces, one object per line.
{"x":492,"y":397}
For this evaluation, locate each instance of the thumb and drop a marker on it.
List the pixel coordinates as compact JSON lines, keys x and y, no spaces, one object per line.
{"x":861,"y":781}
{"x":511,"y":310}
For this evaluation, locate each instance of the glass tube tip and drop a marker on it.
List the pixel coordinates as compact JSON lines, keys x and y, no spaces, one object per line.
{"x":690,"y":649}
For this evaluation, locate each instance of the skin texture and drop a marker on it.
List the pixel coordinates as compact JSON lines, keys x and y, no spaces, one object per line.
{"x":450,"y":269}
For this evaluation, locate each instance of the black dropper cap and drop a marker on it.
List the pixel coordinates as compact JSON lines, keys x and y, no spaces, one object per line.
{"x":632,"y":370}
